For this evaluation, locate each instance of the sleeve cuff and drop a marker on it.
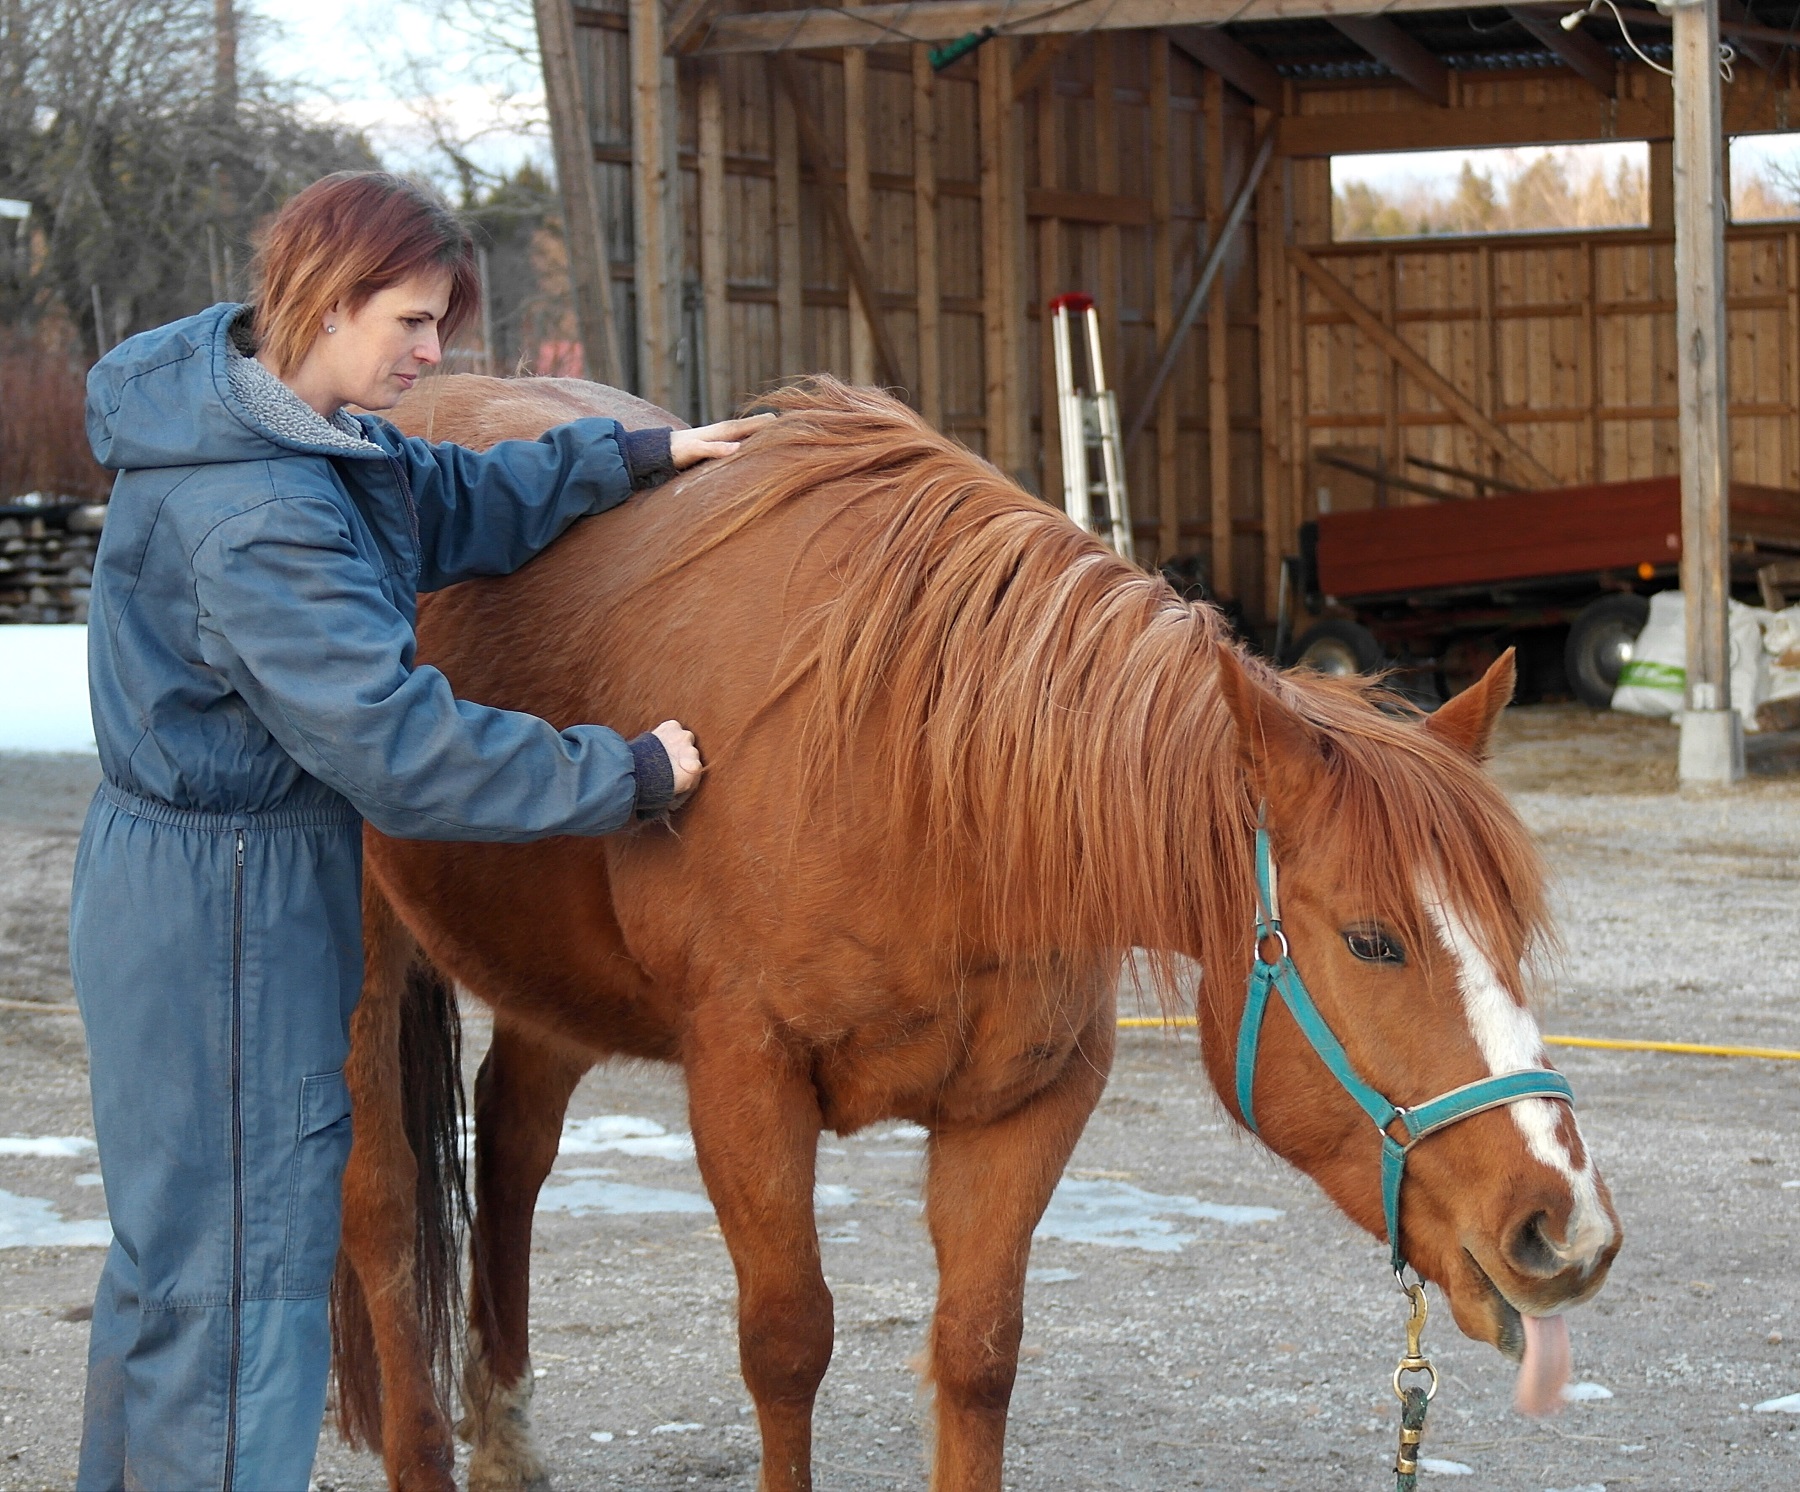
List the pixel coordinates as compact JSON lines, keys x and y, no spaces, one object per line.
{"x":647,"y":457}
{"x":655,"y":775}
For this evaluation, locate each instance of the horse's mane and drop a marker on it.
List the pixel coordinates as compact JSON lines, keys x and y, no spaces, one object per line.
{"x":1052,"y":715}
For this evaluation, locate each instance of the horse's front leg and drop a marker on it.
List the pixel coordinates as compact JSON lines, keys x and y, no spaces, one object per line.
{"x":756,"y":1134}
{"x":986,"y":1187}
{"x":521,"y":1095}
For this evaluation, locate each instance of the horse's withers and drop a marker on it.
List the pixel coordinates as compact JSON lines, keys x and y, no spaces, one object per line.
{"x":1504,"y":1210}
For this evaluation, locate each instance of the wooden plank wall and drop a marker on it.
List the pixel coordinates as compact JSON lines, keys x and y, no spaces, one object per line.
{"x":971,"y":210}
{"x":1109,"y":173}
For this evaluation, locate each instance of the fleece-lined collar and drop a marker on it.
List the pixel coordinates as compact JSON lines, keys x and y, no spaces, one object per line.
{"x":276,"y":407}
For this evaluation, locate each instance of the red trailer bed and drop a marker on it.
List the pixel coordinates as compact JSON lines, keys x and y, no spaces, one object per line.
{"x":1565,"y":531}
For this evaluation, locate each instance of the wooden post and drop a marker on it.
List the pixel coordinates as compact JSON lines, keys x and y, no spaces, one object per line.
{"x":713,"y":245}
{"x":925,"y":234}
{"x":1168,"y":504}
{"x":1218,"y":352}
{"x":1050,"y":275}
{"x":1712,"y":741}
{"x":857,"y":201}
{"x":789,"y":285}
{"x":1002,"y":263}
{"x":572,"y":139}
{"x":1272,"y":415}
{"x":656,"y":203}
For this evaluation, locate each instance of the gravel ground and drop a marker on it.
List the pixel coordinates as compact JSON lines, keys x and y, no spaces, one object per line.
{"x":1195,"y":1347}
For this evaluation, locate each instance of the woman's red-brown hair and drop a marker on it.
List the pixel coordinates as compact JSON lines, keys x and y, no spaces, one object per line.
{"x":345,"y":238}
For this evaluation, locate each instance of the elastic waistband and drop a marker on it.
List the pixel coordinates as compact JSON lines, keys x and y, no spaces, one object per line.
{"x":311,"y":816}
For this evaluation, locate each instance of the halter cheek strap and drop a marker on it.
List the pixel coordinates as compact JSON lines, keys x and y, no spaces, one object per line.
{"x":1283,"y":978}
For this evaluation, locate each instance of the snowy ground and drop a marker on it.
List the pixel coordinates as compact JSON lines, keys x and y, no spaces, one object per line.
{"x":43,"y":689}
{"x":1197,"y":1316}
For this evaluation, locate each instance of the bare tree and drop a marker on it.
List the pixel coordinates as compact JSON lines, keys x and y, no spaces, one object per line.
{"x":148,"y":152}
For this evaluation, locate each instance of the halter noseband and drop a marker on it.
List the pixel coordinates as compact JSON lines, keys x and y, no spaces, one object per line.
{"x":1417,"y":1122}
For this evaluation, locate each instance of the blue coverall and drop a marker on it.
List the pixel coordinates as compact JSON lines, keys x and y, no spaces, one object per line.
{"x":255,"y":699}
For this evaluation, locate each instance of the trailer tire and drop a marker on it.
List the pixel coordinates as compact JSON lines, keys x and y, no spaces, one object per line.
{"x":1599,"y":646}
{"x":1339,"y":646}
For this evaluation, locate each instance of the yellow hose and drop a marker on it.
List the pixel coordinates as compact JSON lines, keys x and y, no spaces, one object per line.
{"x":1691,"y":1048}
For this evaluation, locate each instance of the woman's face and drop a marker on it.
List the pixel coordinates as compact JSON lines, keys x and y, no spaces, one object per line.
{"x":378,"y":351}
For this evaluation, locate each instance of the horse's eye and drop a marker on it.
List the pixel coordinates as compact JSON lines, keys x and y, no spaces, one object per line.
{"x":1374,"y":945}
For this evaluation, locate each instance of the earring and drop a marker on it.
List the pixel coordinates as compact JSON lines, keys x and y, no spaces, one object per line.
{"x":331,"y":328}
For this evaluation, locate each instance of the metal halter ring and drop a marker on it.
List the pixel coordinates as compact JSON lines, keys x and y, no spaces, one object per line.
{"x":1263,"y":934}
{"x":1423,"y":1367}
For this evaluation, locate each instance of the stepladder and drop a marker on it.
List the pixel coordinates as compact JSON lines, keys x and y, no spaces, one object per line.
{"x":1093,"y":454}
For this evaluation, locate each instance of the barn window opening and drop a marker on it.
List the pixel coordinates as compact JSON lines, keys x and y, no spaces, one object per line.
{"x":1523,"y":189}
{"x":1764,"y":173}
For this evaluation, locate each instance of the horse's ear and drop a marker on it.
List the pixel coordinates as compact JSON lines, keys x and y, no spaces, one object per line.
{"x":1276,"y":746}
{"x":1467,"y":722}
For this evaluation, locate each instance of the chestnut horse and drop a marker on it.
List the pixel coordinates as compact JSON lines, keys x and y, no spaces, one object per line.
{"x":961,"y":758}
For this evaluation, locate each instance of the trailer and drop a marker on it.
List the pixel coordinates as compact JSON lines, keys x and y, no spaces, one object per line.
{"x":1436,"y":591}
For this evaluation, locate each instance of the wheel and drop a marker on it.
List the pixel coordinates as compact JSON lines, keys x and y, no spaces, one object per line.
{"x":1338,"y":646}
{"x":1599,"y":646}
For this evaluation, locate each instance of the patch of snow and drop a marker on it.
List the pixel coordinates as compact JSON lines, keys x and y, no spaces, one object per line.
{"x":848,"y":1230}
{"x":1436,"y":1466}
{"x":90,"y":1178}
{"x":55,"y":1147}
{"x":1584,"y":1487}
{"x":32,"y":1223}
{"x":676,"y":1427}
{"x":825,"y":1194}
{"x":590,"y":1194}
{"x":1786,"y":1404}
{"x":1116,"y":1214}
{"x":1051,"y":1276}
{"x":1585,"y":1393}
{"x":600,"y":1437}
{"x":44,"y":690}
{"x":1788,"y":1186}
{"x":627,"y":1134}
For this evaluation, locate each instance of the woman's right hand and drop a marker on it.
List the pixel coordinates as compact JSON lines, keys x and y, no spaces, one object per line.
{"x":684,"y":755}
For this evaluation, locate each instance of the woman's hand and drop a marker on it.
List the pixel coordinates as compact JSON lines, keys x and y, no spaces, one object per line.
{"x":688,"y":447}
{"x":684,"y":755}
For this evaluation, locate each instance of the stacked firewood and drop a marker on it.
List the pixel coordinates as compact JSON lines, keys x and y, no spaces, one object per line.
{"x":47,"y":560}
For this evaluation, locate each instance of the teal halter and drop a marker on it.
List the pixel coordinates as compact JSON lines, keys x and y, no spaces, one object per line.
{"x":1417,"y":1122}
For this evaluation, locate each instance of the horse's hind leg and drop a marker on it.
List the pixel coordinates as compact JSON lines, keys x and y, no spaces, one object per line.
{"x":985,"y":1190}
{"x":756,"y":1133}
{"x":386,"y":1394}
{"x":521,"y":1095}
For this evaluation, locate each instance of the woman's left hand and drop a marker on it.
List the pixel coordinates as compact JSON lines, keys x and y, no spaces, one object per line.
{"x":688,"y":447}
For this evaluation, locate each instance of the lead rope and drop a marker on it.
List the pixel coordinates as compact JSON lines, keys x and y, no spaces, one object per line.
{"x":1414,"y":1398}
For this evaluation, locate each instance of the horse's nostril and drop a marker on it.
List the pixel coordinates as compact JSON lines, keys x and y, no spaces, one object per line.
{"x":1531,"y":1250}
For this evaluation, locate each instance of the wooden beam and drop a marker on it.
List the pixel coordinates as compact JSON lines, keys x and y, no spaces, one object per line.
{"x":656,"y":204}
{"x":1039,"y":65}
{"x":1162,"y":251}
{"x":946,"y":20}
{"x":1453,"y":398}
{"x":817,"y":154}
{"x":1089,"y":207}
{"x":1165,"y":362}
{"x":1272,"y":421}
{"x":1712,"y":748}
{"x":1220,"y":576}
{"x":714,"y":241}
{"x":1002,"y":264}
{"x":1575,"y":49}
{"x":790,"y":288}
{"x":925,"y":234}
{"x":1214,"y":48}
{"x":858,"y":202}
{"x":1400,"y":53}
{"x":1765,"y":52}
{"x":686,"y":24}
{"x":1565,"y":122}
{"x":571,"y":136}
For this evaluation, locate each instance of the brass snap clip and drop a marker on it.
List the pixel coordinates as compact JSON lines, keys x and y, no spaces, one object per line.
{"x":1415,"y":1360}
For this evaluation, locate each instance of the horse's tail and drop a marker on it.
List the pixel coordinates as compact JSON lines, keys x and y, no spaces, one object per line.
{"x":413,"y":1083}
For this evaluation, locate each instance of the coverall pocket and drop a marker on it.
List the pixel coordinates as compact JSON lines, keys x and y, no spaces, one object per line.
{"x":321,"y":1148}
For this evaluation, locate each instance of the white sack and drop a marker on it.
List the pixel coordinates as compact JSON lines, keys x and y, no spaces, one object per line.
{"x":1781,"y":642}
{"x":1654,"y":681}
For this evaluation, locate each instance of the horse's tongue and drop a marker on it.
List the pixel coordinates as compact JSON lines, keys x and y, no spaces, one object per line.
{"x":1545,"y":1369}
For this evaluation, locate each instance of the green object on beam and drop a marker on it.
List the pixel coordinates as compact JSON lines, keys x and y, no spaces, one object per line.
{"x":943,"y":57}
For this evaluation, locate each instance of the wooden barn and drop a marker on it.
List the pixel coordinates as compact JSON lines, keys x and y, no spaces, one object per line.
{"x":893,"y":192}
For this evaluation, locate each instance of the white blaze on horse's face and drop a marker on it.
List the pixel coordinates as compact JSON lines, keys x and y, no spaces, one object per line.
{"x":1510,"y":1041}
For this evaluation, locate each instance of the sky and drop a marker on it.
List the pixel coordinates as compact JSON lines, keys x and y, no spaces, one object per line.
{"x":348,"y":58}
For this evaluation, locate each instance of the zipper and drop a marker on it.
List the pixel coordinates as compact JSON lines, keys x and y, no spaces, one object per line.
{"x":237,"y":1161}
{"x":412,"y":508}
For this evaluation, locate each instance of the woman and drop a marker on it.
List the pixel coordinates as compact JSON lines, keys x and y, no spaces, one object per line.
{"x":255,"y":699}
